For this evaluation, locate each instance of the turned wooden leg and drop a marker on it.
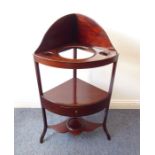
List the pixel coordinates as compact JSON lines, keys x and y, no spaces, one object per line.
{"x":45,"y":125}
{"x":104,"y":124}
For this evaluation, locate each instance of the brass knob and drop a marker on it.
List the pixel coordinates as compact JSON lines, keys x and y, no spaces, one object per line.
{"x":76,"y":111}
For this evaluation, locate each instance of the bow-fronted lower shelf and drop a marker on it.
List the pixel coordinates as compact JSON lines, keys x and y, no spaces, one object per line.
{"x":76,"y":95}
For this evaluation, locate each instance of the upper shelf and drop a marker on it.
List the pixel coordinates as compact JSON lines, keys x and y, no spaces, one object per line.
{"x":80,"y":32}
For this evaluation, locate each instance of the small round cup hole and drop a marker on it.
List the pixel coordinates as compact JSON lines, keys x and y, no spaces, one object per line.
{"x":49,"y":53}
{"x":103,"y":53}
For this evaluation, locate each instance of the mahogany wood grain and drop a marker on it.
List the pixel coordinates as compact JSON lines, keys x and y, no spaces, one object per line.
{"x":78,"y":31}
{"x":86,"y":94}
{"x":75,"y":126}
{"x":75,"y":98}
{"x":61,"y":99}
{"x":74,"y":29}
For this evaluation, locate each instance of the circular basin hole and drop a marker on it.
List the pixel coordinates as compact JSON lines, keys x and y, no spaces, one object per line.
{"x":81,"y":54}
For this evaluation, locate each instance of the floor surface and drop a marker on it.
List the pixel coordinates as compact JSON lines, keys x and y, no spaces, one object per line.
{"x":123,"y":125}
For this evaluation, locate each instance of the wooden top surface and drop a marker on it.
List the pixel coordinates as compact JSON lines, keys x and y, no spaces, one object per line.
{"x":75,"y":31}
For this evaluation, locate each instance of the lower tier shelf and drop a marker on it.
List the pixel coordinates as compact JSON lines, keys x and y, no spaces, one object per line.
{"x":75,"y":126}
{"x":75,"y":98}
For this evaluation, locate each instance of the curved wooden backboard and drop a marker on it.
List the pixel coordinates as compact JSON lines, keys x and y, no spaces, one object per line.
{"x":74,"y":29}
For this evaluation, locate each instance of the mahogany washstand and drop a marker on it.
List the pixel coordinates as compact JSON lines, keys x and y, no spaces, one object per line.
{"x":75,"y":31}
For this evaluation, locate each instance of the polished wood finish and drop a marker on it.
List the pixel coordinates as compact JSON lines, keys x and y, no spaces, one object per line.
{"x":43,"y":109}
{"x":86,"y":94}
{"x":75,"y":31}
{"x":52,"y":58}
{"x":75,"y":98}
{"x":75,"y":126}
{"x":65,"y":101}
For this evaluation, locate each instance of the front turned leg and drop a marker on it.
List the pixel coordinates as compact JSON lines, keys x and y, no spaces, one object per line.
{"x":45,"y":125}
{"x":104,"y":124}
{"x":106,"y":131}
{"x":42,"y":135}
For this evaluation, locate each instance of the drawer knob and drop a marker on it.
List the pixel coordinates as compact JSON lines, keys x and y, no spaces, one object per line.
{"x":76,"y":111}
